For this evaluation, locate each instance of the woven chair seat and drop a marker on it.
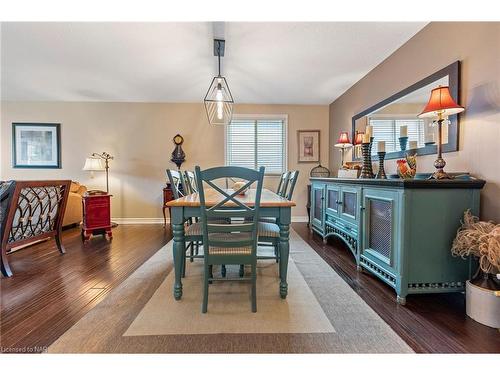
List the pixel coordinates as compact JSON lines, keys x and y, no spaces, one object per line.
{"x":268,"y":230}
{"x":230,"y":250}
{"x":243,"y":236}
{"x":195,"y":229}
{"x":267,"y":220}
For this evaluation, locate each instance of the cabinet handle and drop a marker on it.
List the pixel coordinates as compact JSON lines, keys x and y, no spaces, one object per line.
{"x":362,"y":207}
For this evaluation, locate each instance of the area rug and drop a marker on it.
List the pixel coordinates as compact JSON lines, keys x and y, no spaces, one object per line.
{"x":321,"y":314}
{"x":229,"y":305}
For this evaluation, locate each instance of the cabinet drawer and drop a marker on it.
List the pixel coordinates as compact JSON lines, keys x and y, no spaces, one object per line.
{"x":346,"y":227}
{"x":96,"y":200}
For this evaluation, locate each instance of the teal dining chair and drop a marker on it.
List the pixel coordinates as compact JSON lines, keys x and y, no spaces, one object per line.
{"x":177,"y":183}
{"x":192,"y":230}
{"x":233,"y":242}
{"x":282,"y":186}
{"x":190,"y":181}
{"x":290,"y":186}
{"x":269,"y":231}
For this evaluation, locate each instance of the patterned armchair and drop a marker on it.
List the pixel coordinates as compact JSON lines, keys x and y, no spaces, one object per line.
{"x":30,"y":211}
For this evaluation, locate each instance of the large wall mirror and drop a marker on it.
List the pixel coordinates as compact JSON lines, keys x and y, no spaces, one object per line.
{"x":402,"y":109}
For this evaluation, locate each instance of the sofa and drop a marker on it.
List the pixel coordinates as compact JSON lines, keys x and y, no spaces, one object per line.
{"x":73,"y":213}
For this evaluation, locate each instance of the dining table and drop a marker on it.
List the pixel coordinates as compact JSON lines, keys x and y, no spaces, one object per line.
{"x":271,"y":206}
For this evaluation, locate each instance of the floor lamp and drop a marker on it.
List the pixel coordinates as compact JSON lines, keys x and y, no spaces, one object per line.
{"x":99,"y":162}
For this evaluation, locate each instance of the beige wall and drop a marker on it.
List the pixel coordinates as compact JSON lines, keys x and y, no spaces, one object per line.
{"x":139,"y":135}
{"x":439,"y":44}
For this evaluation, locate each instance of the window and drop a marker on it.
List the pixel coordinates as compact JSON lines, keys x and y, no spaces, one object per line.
{"x":257,"y":141}
{"x":387,"y":129}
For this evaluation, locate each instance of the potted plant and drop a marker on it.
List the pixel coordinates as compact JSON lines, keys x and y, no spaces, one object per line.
{"x":481,"y":239}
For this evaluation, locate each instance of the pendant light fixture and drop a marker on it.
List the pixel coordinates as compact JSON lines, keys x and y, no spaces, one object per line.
{"x":218,"y":100}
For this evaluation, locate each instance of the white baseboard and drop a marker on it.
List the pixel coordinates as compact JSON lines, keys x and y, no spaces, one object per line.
{"x":138,"y":220}
{"x":159,"y":220}
{"x":300,"y":219}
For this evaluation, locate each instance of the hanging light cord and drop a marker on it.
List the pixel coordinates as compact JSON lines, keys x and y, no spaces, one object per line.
{"x":218,"y":54}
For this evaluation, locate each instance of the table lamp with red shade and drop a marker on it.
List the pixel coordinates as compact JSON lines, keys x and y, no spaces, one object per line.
{"x":343,"y":143}
{"x":441,"y":105}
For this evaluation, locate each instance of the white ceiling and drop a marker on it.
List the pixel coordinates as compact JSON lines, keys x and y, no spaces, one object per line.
{"x":268,"y":62}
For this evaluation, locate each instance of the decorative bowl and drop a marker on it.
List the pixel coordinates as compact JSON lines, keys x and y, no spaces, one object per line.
{"x":238,"y":185}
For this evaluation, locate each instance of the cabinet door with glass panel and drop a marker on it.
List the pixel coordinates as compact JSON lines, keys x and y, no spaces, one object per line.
{"x":332,"y":200}
{"x":317,"y":208}
{"x":380,"y":227}
{"x":349,"y":203}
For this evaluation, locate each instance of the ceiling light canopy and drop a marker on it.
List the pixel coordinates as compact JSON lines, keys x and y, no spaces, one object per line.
{"x":218,"y":100}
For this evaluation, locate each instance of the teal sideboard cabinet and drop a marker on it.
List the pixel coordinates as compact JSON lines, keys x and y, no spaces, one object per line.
{"x":399,"y":230}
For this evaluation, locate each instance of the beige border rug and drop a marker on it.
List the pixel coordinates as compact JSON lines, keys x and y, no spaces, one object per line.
{"x":229,"y":305}
{"x":328,"y":316}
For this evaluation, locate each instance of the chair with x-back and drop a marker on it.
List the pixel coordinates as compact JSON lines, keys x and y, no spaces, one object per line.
{"x":281,"y":190}
{"x":269,"y":231}
{"x":193,"y":230}
{"x":177,"y":183}
{"x":233,"y":242}
{"x":190,"y":182}
{"x":290,"y":186}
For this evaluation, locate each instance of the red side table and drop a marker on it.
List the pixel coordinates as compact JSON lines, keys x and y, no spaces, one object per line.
{"x":96,"y":215}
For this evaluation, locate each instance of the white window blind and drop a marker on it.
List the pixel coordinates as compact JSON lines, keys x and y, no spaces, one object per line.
{"x":257,"y":142}
{"x":387,"y":129}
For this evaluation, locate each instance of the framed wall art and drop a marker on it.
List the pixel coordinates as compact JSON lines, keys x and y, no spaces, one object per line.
{"x":308,"y":146}
{"x":36,"y":145}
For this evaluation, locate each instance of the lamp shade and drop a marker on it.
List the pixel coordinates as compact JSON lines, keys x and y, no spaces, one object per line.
{"x":94,"y":164}
{"x":359,"y":138}
{"x":441,"y":103}
{"x":344,"y":141}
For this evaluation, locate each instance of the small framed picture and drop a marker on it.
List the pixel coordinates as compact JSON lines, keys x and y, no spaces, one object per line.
{"x":308,"y":146}
{"x":36,"y":145}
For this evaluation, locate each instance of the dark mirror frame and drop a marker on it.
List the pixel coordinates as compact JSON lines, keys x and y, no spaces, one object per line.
{"x":453,"y":73}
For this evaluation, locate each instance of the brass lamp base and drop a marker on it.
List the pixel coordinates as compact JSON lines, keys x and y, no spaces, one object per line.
{"x":440,"y":174}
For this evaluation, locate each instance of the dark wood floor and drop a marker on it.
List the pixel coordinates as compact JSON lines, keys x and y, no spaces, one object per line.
{"x":432,"y":323}
{"x":49,"y":292}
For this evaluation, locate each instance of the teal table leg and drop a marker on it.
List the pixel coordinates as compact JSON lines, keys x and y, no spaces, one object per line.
{"x":179,"y":248}
{"x":284,"y":248}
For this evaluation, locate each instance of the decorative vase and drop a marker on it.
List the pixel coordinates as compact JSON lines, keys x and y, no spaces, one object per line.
{"x":381,"y":171}
{"x":366,"y":168}
{"x":370,"y":157}
{"x":482,"y":305}
{"x":403,"y":141}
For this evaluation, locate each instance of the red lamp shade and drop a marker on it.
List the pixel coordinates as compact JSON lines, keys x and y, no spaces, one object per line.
{"x":441,"y":104}
{"x":359,"y":138}
{"x":343,"y":140}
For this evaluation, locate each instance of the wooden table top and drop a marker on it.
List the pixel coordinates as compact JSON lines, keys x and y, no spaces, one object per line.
{"x":212,"y":197}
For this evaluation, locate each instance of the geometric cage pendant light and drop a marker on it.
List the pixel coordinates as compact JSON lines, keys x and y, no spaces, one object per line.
{"x":218,"y":100}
